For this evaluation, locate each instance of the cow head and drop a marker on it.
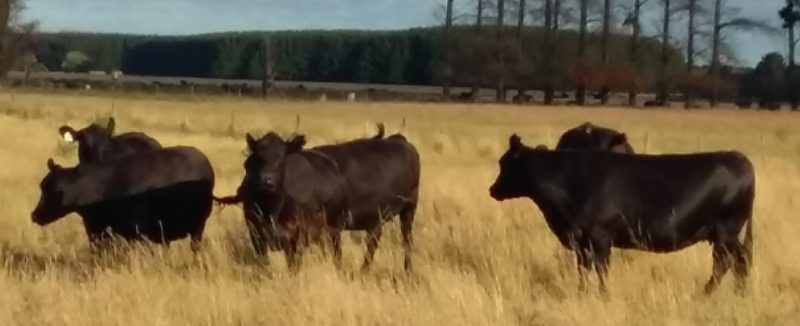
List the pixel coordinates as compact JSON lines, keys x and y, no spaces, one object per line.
{"x":264,"y":167}
{"x":618,"y":143}
{"x":511,"y":182}
{"x":54,"y":201}
{"x":93,"y":141}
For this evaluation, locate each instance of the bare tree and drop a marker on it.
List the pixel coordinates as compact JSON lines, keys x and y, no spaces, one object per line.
{"x":268,"y":78}
{"x":15,"y":35}
{"x":719,"y":26}
{"x":790,"y":14}
{"x":447,"y":51}
{"x":580,"y":92}
{"x":606,"y":37}
{"x":717,"y":29}
{"x":501,"y":71}
{"x":549,"y":35}
{"x":521,"y":13}
{"x":479,"y":12}
{"x":663,"y":92}
{"x":634,"y":20}
{"x":479,"y":15}
{"x":691,"y":29}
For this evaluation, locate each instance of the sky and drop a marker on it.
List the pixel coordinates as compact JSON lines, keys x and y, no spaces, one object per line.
{"x":167,"y":17}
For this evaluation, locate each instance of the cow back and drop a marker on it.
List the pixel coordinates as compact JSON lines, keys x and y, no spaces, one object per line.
{"x":665,"y":201}
{"x":140,"y":172}
{"x":133,"y":142}
{"x":591,"y":137}
{"x":378,"y":172}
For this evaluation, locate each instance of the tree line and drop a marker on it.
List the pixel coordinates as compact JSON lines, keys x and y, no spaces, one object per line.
{"x":395,"y":57}
{"x":598,"y":46}
{"x":576,"y":41}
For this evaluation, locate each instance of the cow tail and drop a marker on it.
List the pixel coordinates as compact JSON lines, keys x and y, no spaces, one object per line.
{"x":381,"y":131}
{"x":232,"y":200}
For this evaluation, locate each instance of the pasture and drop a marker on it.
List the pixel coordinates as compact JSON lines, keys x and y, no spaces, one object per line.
{"x":477,"y":262}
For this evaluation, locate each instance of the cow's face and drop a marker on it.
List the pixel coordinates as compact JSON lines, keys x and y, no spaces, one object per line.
{"x":264,"y":167}
{"x":93,"y":141}
{"x":52,"y":204}
{"x":510,"y":182}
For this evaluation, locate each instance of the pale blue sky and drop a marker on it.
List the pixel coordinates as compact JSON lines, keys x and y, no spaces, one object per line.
{"x":201,"y":16}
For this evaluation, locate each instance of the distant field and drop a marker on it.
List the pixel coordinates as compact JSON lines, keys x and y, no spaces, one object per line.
{"x":477,"y":262}
{"x":334,"y":90}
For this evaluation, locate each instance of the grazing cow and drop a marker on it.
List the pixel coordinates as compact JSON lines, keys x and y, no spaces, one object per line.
{"x":96,"y":143}
{"x":593,"y":201}
{"x":291,"y":197}
{"x":591,"y":137}
{"x":381,"y":180}
{"x":159,"y":195}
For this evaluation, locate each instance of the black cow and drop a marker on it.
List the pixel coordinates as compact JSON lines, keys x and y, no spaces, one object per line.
{"x":291,"y":197}
{"x":593,"y":201}
{"x":381,"y":180}
{"x":159,"y":195}
{"x":382,"y":177}
{"x":590,"y":137}
{"x":96,"y":143}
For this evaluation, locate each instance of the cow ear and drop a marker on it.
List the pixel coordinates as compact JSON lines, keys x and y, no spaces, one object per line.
{"x":514,"y":142}
{"x":296,"y":144}
{"x":619,"y":139}
{"x":52,"y":165}
{"x":67,"y":133}
{"x":251,"y":142}
{"x":111,"y":125}
{"x":587,"y":128}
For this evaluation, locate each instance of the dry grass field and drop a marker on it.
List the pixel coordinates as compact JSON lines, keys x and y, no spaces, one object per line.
{"x":477,"y":262}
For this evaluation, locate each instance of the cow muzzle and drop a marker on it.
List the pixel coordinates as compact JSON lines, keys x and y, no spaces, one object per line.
{"x":39,"y":218}
{"x":495,"y":193}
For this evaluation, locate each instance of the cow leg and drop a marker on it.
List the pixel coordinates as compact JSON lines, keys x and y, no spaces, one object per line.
{"x":601,"y":250}
{"x":744,"y":255}
{"x":583,"y":253}
{"x":722,"y":262}
{"x":406,"y":228}
{"x":293,"y":255}
{"x":258,"y":240}
{"x":741,"y":267}
{"x":196,"y":238}
{"x":336,"y":244}
{"x":373,"y":238}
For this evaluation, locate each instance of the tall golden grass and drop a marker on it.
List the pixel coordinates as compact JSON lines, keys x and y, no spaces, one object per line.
{"x":477,"y":262}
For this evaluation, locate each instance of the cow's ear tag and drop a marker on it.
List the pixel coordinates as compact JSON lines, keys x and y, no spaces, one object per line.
{"x":68,"y":137}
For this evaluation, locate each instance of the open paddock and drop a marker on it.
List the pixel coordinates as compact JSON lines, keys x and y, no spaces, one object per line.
{"x":477,"y":262}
